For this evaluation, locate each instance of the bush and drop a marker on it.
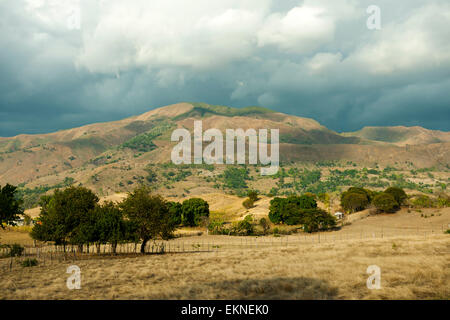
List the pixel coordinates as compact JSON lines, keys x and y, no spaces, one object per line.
{"x":385,"y":202}
{"x":15,"y":250}
{"x":398,"y":194}
{"x":264,"y":225}
{"x":248,"y":203}
{"x":245,"y":226}
{"x":447,"y":231}
{"x":423,"y":201}
{"x":354,"y":201}
{"x":253,"y":195}
{"x":29,"y":263}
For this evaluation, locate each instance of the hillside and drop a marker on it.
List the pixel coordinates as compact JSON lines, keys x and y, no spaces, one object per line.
{"x":401,"y":136}
{"x":114,"y":156}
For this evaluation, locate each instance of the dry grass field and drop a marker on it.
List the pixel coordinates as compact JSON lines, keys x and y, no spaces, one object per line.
{"x":411,"y":250}
{"x":411,"y":268}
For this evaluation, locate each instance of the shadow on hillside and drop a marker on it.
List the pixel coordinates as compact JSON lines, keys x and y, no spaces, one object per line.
{"x":294,"y":288}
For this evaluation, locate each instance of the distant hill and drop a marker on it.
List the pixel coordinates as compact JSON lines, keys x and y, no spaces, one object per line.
{"x":401,"y":136}
{"x":113,"y":152}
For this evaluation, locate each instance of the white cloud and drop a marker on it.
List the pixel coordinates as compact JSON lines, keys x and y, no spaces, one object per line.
{"x":418,"y":43}
{"x":158,"y":34}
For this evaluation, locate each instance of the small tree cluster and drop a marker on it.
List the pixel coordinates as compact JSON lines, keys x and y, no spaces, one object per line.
{"x":74,"y":216}
{"x":296,"y":210}
{"x":357,"y":199}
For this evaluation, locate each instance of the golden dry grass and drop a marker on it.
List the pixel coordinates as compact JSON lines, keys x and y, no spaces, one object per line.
{"x":411,"y":268}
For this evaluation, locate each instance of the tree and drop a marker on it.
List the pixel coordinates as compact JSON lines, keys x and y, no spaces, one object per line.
{"x":175,"y":212}
{"x":398,"y":194}
{"x":193,"y":210}
{"x":10,"y":205}
{"x":354,"y":201}
{"x":109,"y":226}
{"x":149,"y":214}
{"x":290,"y":210}
{"x":62,"y":215}
{"x":385,"y":202}
{"x":276,"y":210}
{"x":317,"y":219}
{"x":305,"y":201}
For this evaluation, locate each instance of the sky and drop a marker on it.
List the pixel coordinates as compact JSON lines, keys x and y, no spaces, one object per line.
{"x":67,"y":63}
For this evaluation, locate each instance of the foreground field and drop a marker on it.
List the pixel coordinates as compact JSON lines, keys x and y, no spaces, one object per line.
{"x":411,"y":268}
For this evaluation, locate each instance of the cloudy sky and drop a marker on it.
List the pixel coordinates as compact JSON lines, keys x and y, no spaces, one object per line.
{"x":66,"y":63}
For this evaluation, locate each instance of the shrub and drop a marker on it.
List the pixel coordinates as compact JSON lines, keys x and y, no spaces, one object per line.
{"x":353,"y":202}
{"x":423,"y":201}
{"x":248,"y":203}
{"x":447,"y":231}
{"x":216,"y":226}
{"x":398,"y":194}
{"x":253,"y":195}
{"x":264,"y":225}
{"x":29,"y":263}
{"x":385,"y":202}
{"x":246,"y":226}
{"x":15,"y":250}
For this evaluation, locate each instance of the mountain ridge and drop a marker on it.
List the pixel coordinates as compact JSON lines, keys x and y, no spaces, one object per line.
{"x":136,"y":141}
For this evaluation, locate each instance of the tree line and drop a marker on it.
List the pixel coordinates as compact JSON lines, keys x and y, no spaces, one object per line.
{"x":74,"y":216}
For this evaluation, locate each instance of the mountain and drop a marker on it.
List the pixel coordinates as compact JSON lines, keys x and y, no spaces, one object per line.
{"x":401,"y":136}
{"x":110,"y":156}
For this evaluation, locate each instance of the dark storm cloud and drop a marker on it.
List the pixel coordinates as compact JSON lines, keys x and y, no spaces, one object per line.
{"x":309,"y":58}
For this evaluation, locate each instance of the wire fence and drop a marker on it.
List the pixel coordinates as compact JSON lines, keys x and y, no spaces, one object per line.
{"x":46,"y":254}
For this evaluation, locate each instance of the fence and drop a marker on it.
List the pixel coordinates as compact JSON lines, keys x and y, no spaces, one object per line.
{"x":51,"y":254}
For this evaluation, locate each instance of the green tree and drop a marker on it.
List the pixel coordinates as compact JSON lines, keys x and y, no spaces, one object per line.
{"x":276,"y":210}
{"x":193,"y":210}
{"x":353,"y":202}
{"x":290,"y":210}
{"x":63,"y":214}
{"x":149,"y":214}
{"x":385,"y":202}
{"x":109,"y":226}
{"x":398,"y":194}
{"x":10,"y":205}
{"x":175,"y":212}
{"x":316,"y":220}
